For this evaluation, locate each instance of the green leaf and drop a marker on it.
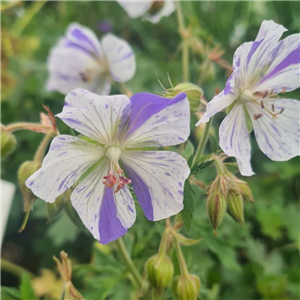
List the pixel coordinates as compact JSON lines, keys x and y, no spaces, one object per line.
{"x":201,"y":167}
{"x":213,"y":144}
{"x":26,"y":289}
{"x":188,"y":150}
{"x":188,"y":202}
{"x":9,"y":293}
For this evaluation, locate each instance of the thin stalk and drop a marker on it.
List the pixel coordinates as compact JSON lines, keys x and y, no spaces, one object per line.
{"x":26,"y":126}
{"x":185,"y":45}
{"x":124,"y":90}
{"x":221,"y":169}
{"x":202,"y":143}
{"x":25,"y":220}
{"x":40,"y":152}
{"x":127,"y":259}
{"x":21,"y":23}
{"x":164,"y":242}
{"x":183,"y":268}
{"x":14,"y":269}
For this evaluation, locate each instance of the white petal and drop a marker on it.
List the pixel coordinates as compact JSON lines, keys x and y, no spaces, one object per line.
{"x":158,"y":179}
{"x":167,"y":9}
{"x":67,"y":160}
{"x":106,"y":214}
{"x":218,"y":103}
{"x":137,"y":8}
{"x":156,"y":121}
{"x":234,"y":139}
{"x":121,"y":59}
{"x":278,"y":138}
{"x":97,"y":117}
{"x":270,"y":28}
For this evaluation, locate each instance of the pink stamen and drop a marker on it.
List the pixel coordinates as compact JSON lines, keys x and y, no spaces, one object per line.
{"x":110,"y":180}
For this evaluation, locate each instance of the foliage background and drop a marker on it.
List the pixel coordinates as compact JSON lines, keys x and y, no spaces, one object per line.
{"x":259,"y":261}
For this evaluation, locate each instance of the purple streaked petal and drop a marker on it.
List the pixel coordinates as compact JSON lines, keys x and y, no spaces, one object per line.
{"x":120,"y":58}
{"x":99,"y":117}
{"x":157,"y":121}
{"x":68,"y":158}
{"x":157,"y":183}
{"x":234,"y":138}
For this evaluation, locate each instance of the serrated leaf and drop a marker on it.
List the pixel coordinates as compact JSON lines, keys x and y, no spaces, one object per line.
{"x":201,"y":167}
{"x":186,"y":241}
{"x":26,"y":289}
{"x":188,"y":202}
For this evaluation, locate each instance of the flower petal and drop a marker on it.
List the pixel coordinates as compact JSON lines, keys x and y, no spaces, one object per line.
{"x":270,"y":28}
{"x":157,"y":121}
{"x":278,"y":138}
{"x":218,"y":103}
{"x":121,"y":59}
{"x":106,"y":214}
{"x":135,"y":9}
{"x":97,"y":117}
{"x":157,"y":178}
{"x":284,"y":70}
{"x":234,"y":139}
{"x":167,"y":9}
{"x":68,"y":158}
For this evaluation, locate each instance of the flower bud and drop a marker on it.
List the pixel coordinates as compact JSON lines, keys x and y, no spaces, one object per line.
{"x":160,"y":270}
{"x":26,"y":169}
{"x":54,"y":209}
{"x":245,"y":190}
{"x":215,"y":207}
{"x":73,"y":215}
{"x":186,"y":287}
{"x":8,"y":142}
{"x":235,"y":206}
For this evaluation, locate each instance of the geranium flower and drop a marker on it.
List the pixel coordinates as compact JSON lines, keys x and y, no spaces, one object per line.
{"x":261,"y":70}
{"x":111,"y":154}
{"x":151,"y":11}
{"x":80,"y":60}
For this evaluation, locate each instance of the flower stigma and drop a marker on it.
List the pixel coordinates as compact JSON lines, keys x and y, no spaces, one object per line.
{"x":116,"y":174}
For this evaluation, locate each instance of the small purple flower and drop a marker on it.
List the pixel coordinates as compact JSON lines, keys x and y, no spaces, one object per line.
{"x":151,"y":11}
{"x":105,"y":26}
{"x":261,"y":70}
{"x":110,"y":154}
{"x":79,"y":59}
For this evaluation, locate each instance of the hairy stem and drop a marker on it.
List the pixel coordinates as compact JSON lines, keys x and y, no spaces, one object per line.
{"x":183,"y":268}
{"x":26,"y":126}
{"x":40,"y":152}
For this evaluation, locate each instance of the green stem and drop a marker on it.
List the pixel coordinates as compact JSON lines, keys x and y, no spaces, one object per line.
{"x":13,"y":268}
{"x":21,"y":23}
{"x":183,"y":268}
{"x":185,"y":44}
{"x":221,"y":169}
{"x":26,"y":126}
{"x":26,"y":217}
{"x":164,"y":242}
{"x":40,"y":152}
{"x":123,"y":251}
{"x":202,"y":143}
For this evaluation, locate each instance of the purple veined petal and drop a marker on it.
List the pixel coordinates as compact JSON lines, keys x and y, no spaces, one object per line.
{"x":107,"y":215}
{"x":135,"y":9}
{"x":158,"y":179}
{"x":278,"y":138}
{"x":68,"y":158}
{"x":120,"y":57}
{"x":156,"y":121}
{"x":83,"y":39}
{"x":70,"y":68}
{"x":99,"y":117}
{"x":218,"y":103}
{"x":270,"y":28}
{"x":284,"y":71}
{"x":167,"y":9}
{"x":234,"y":139}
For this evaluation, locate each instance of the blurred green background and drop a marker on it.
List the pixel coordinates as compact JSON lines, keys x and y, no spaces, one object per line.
{"x":259,"y":261}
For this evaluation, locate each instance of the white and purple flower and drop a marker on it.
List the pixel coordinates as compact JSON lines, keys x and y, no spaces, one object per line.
{"x":80,"y":60}
{"x":111,"y":153}
{"x":261,"y":70}
{"x":151,"y":11}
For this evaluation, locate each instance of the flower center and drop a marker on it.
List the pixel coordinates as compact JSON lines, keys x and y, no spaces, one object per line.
{"x":116,"y":175}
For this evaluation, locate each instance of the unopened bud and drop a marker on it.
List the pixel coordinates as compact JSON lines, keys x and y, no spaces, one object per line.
{"x":186,"y":287}
{"x":160,"y":270}
{"x":73,"y":215}
{"x":215,"y":207}
{"x":245,"y":190}
{"x":26,"y":169}
{"x":54,"y":209}
{"x":8,"y":142}
{"x":235,"y":206}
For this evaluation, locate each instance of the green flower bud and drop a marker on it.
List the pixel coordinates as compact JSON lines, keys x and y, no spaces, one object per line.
{"x":26,"y":169}
{"x":54,"y":209}
{"x":73,"y":215}
{"x":235,"y":206}
{"x":215,"y":208}
{"x":8,"y":142}
{"x":160,"y":271}
{"x":245,"y":190}
{"x":186,"y":287}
